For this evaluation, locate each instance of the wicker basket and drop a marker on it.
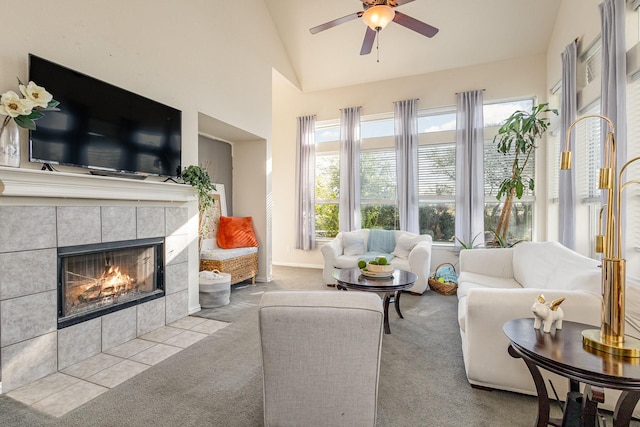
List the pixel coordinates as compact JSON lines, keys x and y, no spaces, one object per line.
{"x":446,"y":288}
{"x":241,"y":268}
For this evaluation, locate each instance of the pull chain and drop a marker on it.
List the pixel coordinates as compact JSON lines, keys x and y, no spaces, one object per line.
{"x":378,"y":45}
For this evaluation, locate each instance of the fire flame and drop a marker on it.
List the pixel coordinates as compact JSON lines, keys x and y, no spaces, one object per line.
{"x":114,"y":281}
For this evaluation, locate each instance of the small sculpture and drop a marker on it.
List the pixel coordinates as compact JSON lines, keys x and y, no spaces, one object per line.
{"x":547,"y":313}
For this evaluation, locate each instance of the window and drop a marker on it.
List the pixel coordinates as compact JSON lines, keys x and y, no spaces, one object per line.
{"x":327,"y":135}
{"x":496,"y":113}
{"x":497,"y":167}
{"x":632,"y":193}
{"x":378,"y":206}
{"x":327,"y":194}
{"x":586,"y":164}
{"x":437,"y":190}
{"x":591,"y":63}
{"x":436,"y":173}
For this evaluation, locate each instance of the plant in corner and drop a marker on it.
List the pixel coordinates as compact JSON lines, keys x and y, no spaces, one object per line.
{"x":518,"y":136}
{"x":199,"y":179}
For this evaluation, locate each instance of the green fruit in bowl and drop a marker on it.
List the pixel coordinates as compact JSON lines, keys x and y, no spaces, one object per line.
{"x":382,"y":261}
{"x":441,"y":279}
{"x":362,"y":264}
{"x":373,"y":262}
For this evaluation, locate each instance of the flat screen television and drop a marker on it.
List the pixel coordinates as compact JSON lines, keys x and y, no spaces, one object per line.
{"x":103,"y":127}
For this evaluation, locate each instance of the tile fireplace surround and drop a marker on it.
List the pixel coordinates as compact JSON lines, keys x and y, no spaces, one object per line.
{"x":41,"y":211}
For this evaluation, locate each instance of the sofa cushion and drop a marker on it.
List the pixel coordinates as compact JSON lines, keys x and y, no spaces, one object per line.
{"x":353,"y":243}
{"x":468,"y":281}
{"x":550,"y":265}
{"x":404,"y":244}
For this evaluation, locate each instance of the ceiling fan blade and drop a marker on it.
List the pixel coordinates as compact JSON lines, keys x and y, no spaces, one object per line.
{"x":335,"y":22}
{"x":415,"y":25}
{"x":401,"y":2}
{"x":367,"y":43}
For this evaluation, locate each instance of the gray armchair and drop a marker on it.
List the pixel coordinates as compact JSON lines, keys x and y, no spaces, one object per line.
{"x":320,"y":357}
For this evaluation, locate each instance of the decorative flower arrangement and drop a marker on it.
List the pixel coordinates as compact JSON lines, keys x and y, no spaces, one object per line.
{"x":24,"y":111}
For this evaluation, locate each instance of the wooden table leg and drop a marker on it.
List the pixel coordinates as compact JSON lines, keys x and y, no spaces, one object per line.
{"x":541,"y":389}
{"x":386,"y":300}
{"x":591,"y":397}
{"x":624,"y":408}
{"x":396,"y":302}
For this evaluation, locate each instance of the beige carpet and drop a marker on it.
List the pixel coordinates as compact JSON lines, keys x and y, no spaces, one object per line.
{"x":217,"y":381}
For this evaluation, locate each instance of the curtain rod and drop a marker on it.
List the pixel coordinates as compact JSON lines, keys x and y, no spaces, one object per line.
{"x":461,"y":92}
{"x":400,"y":100}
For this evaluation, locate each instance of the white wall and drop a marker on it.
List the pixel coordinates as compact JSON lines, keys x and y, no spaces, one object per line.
{"x":506,"y":79}
{"x":202,"y":57}
{"x":576,"y":19}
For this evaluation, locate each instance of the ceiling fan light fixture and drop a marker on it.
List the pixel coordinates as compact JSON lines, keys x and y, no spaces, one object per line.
{"x":377,"y":17}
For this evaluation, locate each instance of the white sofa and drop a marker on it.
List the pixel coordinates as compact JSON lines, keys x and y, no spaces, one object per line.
{"x":497,"y":285}
{"x":411,"y":252}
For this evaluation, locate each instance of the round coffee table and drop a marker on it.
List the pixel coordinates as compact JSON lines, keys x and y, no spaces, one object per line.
{"x":399,"y":280}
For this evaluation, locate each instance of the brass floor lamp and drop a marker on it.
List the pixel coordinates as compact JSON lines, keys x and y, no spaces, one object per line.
{"x":610,"y":338}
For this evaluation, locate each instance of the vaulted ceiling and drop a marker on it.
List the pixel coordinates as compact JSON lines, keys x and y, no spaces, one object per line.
{"x":471,"y":32}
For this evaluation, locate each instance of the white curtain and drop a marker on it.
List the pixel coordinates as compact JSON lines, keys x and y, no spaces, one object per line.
{"x":568,"y":111}
{"x":406,"y":139}
{"x":306,"y":183}
{"x":613,"y":99}
{"x":469,"y":166}
{"x":349,"y":169}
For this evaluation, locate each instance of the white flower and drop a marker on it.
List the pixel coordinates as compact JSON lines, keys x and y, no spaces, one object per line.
{"x":36,"y":94}
{"x":11,"y":105}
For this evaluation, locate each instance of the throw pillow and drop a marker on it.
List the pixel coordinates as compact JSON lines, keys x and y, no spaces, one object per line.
{"x":404,"y":245}
{"x":353,"y":243}
{"x":234,"y":232}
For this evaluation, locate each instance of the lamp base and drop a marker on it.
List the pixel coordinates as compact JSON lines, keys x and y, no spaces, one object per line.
{"x":629,"y":348}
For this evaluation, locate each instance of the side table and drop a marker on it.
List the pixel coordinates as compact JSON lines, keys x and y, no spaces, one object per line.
{"x":562,"y":352}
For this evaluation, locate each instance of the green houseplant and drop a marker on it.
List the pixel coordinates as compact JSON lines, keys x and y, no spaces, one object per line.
{"x":199,"y":179}
{"x":518,"y":136}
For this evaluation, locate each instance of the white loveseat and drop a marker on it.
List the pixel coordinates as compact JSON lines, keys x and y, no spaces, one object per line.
{"x":497,"y":285}
{"x":410,"y":251}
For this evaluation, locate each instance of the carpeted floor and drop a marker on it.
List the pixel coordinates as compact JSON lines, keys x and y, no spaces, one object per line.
{"x":218,"y":382}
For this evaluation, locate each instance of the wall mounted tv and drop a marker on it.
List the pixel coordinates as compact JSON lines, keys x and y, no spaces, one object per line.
{"x":103,"y":127}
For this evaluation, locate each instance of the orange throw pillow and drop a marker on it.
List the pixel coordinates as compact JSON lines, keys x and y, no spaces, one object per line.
{"x":234,"y":232}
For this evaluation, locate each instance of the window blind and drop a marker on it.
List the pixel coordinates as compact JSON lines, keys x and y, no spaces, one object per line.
{"x":632,"y":192}
{"x":437,"y":171}
{"x":555,"y":144}
{"x":378,"y":176}
{"x":586,"y":157}
{"x":498,"y":166}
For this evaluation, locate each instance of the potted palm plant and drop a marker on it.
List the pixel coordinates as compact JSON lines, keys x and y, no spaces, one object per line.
{"x":518,"y":136}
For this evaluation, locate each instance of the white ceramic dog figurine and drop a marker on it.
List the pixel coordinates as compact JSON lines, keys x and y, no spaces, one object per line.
{"x":547,"y":313}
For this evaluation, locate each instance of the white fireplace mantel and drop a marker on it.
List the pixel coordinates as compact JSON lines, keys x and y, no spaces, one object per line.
{"x":22,"y":182}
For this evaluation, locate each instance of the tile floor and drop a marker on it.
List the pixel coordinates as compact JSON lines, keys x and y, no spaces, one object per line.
{"x":66,"y":390}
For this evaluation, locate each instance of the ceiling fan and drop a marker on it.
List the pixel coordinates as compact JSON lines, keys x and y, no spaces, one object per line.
{"x":377,"y":14}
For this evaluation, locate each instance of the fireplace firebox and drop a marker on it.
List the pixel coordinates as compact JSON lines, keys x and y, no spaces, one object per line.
{"x":97,"y":279}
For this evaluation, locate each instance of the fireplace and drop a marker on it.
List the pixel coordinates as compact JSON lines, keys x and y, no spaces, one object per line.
{"x":97,"y":279}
